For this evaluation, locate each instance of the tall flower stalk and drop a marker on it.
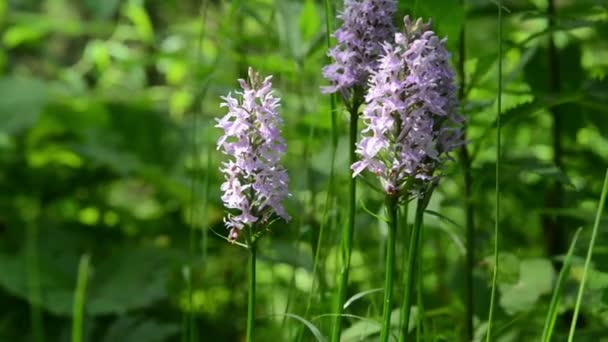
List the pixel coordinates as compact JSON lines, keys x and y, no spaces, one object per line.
{"x":411,"y":124}
{"x":366,"y":24}
{"x":255,"y":183}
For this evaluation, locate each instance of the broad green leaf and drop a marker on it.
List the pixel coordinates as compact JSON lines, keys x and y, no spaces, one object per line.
{"x":132,"y":279}
{"x":509,"y":267}
{"x":21,"y":103}
{"x":309,"y":20}
{"x":447,"y":17}
{"x":132,"y":329}
{"x":287,"y":25}
{"x":535,"y":279}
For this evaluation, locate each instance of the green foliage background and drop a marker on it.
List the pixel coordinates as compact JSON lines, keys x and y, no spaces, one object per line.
{"x":107,"y":149}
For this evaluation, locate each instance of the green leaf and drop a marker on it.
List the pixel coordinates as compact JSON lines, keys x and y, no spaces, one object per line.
{"x":131,"y":279}
{"x":21,"y":103}
{"x":447,"y":17}
{"x":289,"y":32}
{"x":102,"y":9}
{"x":309,"y":20}
{"x":509,"y":270}
{"x":535,"y":279}
{"x":130,"y":329}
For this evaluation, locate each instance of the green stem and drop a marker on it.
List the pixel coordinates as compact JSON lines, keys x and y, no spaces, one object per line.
{"x":465,"y":159}
{"x":391,"y":207}
{"x":79,"y":298}
{"x":34,"y":286}
{"x":411,"y":267}
{"x":497,"y":176}
{"x":251,"y":295}
{"x":347,"y":232}
{"x":581,"y":287}
{"x":404,"y":248}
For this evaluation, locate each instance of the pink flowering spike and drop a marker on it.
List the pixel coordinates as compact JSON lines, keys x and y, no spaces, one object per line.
{"x":255,"y":183}
{"x":366,"y":24}
{"x":411,"y":118}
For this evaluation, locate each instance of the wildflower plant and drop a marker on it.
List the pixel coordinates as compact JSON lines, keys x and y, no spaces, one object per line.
{"x":366,"y":24}
{"x":256,"y":184}
{"x":411,"y":124}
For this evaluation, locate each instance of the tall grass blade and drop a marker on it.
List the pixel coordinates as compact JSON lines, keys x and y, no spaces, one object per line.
{"x":559,"y":286}
{"x":412,"y":264}
{"x":331,"y":186}
{"x":33,"y":279}
{"x":347,"y":231}
{"x":360,"y":295}
{"x":391,"y":208}
{"x":497,"y":184}
{"x":251,"y":292}
{"x":581,"y":287}
{"x":79,"y":298}
{"x":191,"y":334}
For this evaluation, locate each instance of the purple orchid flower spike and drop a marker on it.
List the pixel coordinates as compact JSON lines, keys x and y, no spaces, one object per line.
{"x":411,"y":117}
{"x":255,"y":182}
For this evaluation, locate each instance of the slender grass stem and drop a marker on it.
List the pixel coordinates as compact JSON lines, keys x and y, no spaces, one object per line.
{"x":347,"y":232}
{"x":405,"y":238}
{"x":411,"y":267}
{"x":79,"y":298}
{"x":497,"y":184}
{"x":559,"y":286}
{"x":465,"y":160}
{"x":33,"y":277}
{"x":422,"y":332}
{"x":251,"y":294}
{"x":391,"y":207}
{"x":331,"y":186}
{"x":581,"y":288}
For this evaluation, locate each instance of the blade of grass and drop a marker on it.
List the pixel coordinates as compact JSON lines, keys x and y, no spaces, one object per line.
{"x":361,"y":295}
{"x":251,"y":292}
{"x":410,"y":272}
{"x":347,"y":231}
{"x":497,"y":184}
{"x":465,"y":159}
{"x":191,"y":334}
{"x":581,"y":287}
{"x":33,"y":278}
{"x":331,"y":185}
{"x":391,"y":208}
{"x":79,"y":298}
{"x":559,"y":286}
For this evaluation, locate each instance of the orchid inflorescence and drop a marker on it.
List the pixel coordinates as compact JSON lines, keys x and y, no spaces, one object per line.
{"x":255,"y":182}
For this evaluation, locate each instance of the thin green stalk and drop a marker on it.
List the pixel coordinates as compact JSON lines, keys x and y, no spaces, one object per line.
{"x":404,"y":248}
{"x":581,"y":288}
{"x":422,"y":333}
{"x":79,"y":298}
{"x":497,"y":184}
{"x":33,"y":276}
{"x":205,"y":202}
{"x":559,"y":286}
{"x":465,"y":160}
{"x":191,"y":326}
{"x":391,"y":207}
{"x":251,"y":294}
{"x":347,"y":232}
{"x":411,"y":267}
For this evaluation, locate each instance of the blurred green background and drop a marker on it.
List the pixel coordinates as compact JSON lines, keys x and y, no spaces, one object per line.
{"x":107,"y":149}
